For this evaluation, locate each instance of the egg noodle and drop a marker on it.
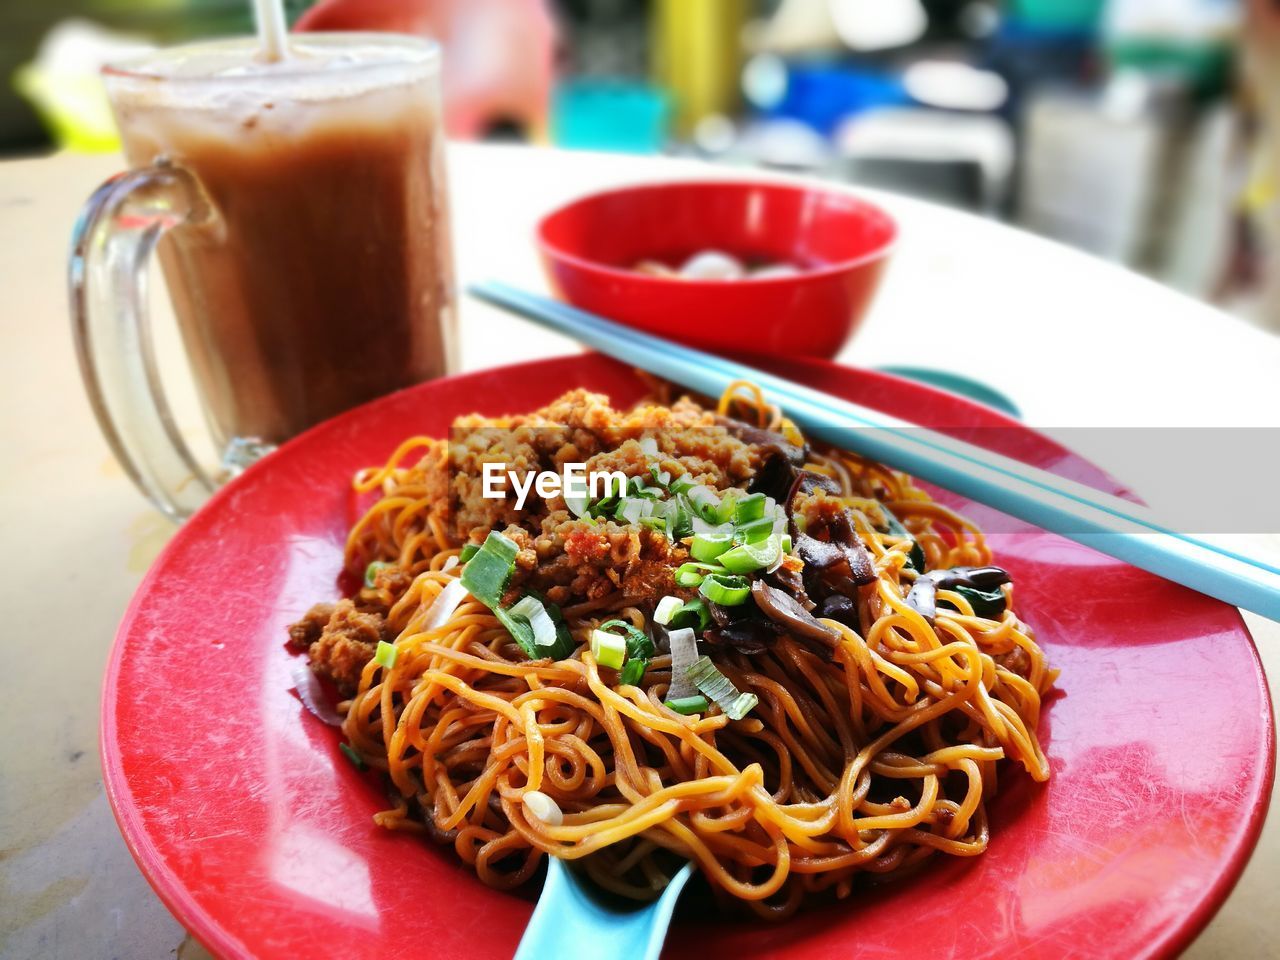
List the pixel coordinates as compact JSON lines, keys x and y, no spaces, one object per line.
{"x":867,"y":762}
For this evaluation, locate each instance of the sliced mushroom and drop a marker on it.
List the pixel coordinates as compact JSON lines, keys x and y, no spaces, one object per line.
{"x":785,"y":610}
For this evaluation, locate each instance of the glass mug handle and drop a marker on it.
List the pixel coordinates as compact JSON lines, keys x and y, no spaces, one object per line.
{"x":111,"y":245}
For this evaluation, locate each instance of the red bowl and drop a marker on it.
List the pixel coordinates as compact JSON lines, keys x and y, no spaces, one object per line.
{"x":840,"y":242}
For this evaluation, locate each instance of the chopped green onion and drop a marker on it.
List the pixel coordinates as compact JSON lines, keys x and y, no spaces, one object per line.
{"x":747,"y":557}
{"x":691,"y":574}
{"x":692,"y":614}
{"x":372,"y":570}
{"x":605,"y":505}
{"x":666,"y":609}
{"x":681,"y":484}
{"x":754,"y":530}
{"x":487,"y":574}
{"x":707,"y":546}
{"x":532,"y":610}
{"x":706,"y":528}
{"x":684,"y":654}
{"x":706,"y":676}
{"x":631,"y":509}
{"x":638,"y":642}
{"x":726,"y":590}
{"x":385,"y":656}
{"x":633,"y":672}
{"x":703,"y":501}
{"x":688,"y":705}
{"x":679,"y":525}
{"x":469,"y":550}
{"x":522,"y":631}
{"x":748,"y":508}
{"x":357,"y":761}
{"x":609,"y":649}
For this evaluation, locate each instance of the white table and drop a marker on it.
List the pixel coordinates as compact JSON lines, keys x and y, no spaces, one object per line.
{"x":963,"y":294}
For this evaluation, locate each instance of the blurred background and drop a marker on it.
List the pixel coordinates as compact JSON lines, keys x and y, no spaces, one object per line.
{"x":1143,"y":131}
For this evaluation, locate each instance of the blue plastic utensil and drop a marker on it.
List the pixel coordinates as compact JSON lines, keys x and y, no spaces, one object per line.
{"x":573,"y":922}
{"x":1110,"y":525}
{"x":958,"y":383}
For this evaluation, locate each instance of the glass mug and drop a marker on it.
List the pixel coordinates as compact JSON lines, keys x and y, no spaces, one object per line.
{"x":300,"y":214}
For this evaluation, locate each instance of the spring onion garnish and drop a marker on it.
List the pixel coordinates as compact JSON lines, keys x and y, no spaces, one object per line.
{"x":372,"y":570}
{"x":666,"y":609}
{"x":692,"y":574}
{"x":486,"y":576}
{"x":748,"y":508}
{"x":638,"y":643}
{"x":609,"y":649}
{"x":703,"y":500}
{"x":532,"y":610}
{"x":687,"y":705}
{"x":684,"y":654}
{"x":747,"y":557}
{"x":716,"y":686}
{"x":692,"y":614}
{"x":357,"y":761}
{"x":633,"y":672}
{"x":681,"y":484}
{"x":708,"y":529}
{"x":679,"y":523}
{"x":447,"y":601}
{"x":631,"y":509}
{"x":385,"y":656}
{"x":724,"y":512}
{"x":487,"y":573}
{"x":522,"y":630}
{"x":725,"y":589}
{"x":755,"y":530}
{"x":707,"y":546}
{"x":469,"y":550}
{"x":538,"y":805}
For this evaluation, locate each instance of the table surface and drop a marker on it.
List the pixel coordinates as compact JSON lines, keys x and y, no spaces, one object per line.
{"x":976,"y":296}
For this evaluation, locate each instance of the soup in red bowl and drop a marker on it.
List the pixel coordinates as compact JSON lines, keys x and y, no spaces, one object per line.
{"x":620,"y":254}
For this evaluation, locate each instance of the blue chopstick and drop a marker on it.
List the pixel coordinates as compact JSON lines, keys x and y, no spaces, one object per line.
{"x":1139,"y":518}
{"x":1108,"y":524}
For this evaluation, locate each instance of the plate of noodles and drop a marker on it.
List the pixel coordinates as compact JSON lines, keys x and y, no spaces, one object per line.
{"x":357,"y":702}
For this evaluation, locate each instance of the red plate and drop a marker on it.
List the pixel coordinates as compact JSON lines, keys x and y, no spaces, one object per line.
{"x":256,"y":832}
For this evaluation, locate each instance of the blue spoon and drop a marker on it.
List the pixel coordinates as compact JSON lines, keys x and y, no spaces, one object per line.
{"x":573,"y":920}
